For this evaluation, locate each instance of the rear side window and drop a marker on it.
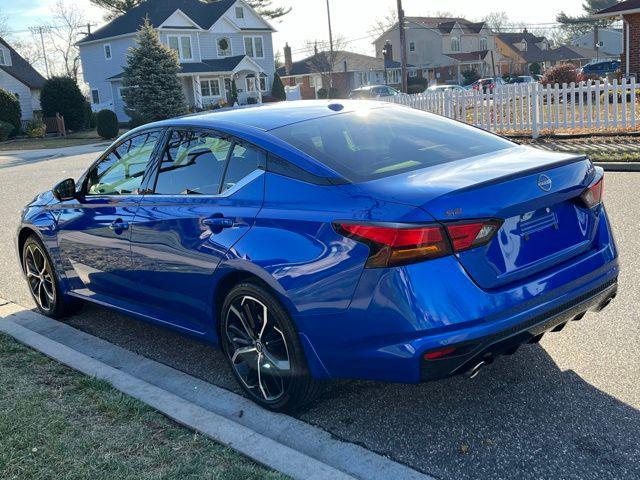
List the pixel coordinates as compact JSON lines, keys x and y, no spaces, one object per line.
{"x":193,"y":163}
{"x":243,"y":161}
{"x":379,"y":142}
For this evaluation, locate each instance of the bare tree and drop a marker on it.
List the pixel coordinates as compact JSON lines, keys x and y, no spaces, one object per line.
{"x":4,"y":27}
{"x":70,"y":23}
{"x":383,"y":24}
{"x":321,"y":60}
{"x":496,"y":21}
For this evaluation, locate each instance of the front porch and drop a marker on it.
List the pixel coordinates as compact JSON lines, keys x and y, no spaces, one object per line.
{"x":209,"y":85}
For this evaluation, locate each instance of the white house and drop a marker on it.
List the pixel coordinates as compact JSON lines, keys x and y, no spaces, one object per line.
{"x":609,"y":44}
{"x":21,"y":79}
{"x":217,"y":43}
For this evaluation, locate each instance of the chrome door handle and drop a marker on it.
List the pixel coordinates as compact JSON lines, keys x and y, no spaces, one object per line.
{"x":118,"y":225}
{"x":219,"y":222}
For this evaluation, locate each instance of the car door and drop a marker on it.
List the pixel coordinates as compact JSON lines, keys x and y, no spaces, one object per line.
{"x":94,"y":229}
{"x":207,"y":192}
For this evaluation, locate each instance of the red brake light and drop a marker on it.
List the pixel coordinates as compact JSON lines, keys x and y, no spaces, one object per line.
{"x":592,"y":196}
{"x":398,"y":245}
{"x":443,"y":352}
{"x":469,"y":235}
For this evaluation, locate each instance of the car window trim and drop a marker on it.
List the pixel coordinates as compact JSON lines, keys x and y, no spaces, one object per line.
{"x":145,"y":179}
{"x":233,"y":140}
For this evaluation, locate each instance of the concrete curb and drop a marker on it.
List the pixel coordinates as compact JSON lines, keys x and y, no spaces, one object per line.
{"x":277,"y":441}
{"x":619,"y":166}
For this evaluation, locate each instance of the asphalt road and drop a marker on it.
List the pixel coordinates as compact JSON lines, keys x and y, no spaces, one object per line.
{"x":566,"y":408}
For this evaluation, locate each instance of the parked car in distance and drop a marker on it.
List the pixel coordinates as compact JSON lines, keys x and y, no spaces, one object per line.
{"x":319,"y":240}
{"x":445,"y":88}
{"x":601,"y":68}
{"x":523,"y":79}
{"x":487,"y":85}
{"x":373,"y":91}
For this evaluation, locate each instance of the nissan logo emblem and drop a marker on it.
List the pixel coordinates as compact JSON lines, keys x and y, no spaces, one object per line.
{"x":544,"y":183}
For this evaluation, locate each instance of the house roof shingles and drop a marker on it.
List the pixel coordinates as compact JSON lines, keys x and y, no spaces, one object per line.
{"x":204,"y":14}
{"x":355,"y":62}
{"x":21,"y":70}
{"x":219,"y":65}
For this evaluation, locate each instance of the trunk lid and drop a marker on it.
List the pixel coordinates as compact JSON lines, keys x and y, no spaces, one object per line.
{"x":532,"y":192}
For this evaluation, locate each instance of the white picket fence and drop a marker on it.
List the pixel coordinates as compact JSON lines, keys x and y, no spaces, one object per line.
{"x":534,"y":108}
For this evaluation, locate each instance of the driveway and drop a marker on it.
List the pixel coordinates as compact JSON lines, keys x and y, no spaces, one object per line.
{"x":566,"y":408}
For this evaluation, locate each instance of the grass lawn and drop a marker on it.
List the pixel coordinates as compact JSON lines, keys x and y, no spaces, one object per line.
{"x":598,"y":148}
{"x":73,"y":139}
{"x":58,"y":423}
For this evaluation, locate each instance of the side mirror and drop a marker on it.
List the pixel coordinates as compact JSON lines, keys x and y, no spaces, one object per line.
{"x":65,"y":190}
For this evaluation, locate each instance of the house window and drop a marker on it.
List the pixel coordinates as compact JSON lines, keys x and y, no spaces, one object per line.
{"x":253,"y":47}
{"x":251,"y":85}
{"x":210,"y":88}
{"x":224,"y":47}
{"x":107,"y":51}
{"x":299,"y":80}
{"x":182,"y":45}
{"x":95,"y":97}
{"x":413,"y":73}
{"x":263,"y":83}
{"x":523,"y":46}
{"x":483,"y":43}
{"x":412,"y":46}
{"x":455,"y":44}
{"x":393,"y":76}
{"x":3,"y":57}
{"x":239,"y":12}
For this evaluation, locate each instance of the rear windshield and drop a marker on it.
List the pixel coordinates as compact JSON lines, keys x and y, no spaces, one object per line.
{"x":380,"y":142}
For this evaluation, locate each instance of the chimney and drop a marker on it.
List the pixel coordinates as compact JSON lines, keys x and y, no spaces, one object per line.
{"x":315,"y":48}
{"x":387,"y":51}
{"x":288,"y":63}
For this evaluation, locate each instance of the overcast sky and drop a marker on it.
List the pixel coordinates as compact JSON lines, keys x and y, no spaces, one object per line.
{"x":352,"y":19}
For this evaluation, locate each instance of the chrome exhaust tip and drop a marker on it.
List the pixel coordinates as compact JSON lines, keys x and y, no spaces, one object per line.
{"x":473,"y":372}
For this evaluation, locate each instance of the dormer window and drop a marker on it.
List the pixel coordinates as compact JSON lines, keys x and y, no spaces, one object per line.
{"x":455,"y":44}
{"x":239,"y":12}
{"x":4,"y":57}
{"x":224,"y":47}
{"x":107,"y":51}
{"x":523,"y":46}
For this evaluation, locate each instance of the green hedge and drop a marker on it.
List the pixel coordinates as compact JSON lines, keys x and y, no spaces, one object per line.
{"x":10,"y":111}
{"x":107,"y":124}
{"x":62,"y":95}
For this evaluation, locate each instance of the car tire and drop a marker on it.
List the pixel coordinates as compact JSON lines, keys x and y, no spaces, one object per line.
{"x":43,"y":282}
{"x":267,"y":359}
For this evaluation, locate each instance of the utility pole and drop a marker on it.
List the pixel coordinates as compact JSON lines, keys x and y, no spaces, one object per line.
{"x":596,"y":40}
{"x":403,"y":46}
{"x":330,"y":51}
{"x":41,"y":30}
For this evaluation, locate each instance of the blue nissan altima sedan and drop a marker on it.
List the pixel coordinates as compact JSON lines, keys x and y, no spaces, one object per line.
{"x":319,"y":240}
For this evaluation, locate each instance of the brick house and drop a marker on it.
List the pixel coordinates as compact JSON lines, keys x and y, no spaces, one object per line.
{"x":629,"y":11}
{"x":350,"y":71}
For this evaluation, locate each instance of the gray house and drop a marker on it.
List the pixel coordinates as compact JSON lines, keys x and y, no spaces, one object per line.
{"x":21,"y":79}
{"x":217,"y":43}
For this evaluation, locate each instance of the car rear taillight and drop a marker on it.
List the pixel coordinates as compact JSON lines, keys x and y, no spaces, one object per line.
{"x":592,"y":196}
{"x":400,"y":244}
{"x":470,"y":235}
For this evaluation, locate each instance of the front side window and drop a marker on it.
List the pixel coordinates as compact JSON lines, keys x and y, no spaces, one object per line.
{"x":107,"y":51}
{"x":95,"y":96}
{"x":239,"y":12}
{"x":251,"y":84}
{"x":412,"y":46}
{"x":385,"y":141}
{"x":182,"y":45}
{"x":122,"y":170}
{"x":3,"y":60}
{"x":192,"y":164}
{"x":263,"y":83}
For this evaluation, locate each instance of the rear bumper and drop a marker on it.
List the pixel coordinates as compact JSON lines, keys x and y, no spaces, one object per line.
{"x":469,"y":357}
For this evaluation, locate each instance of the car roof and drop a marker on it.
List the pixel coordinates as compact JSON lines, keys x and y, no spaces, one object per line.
{"x":273,"y":115}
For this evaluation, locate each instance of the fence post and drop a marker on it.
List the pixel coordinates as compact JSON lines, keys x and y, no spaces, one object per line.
{"x":534,"y":111}
{"x":633,"y":102}
{"x":623,"y":99}
{"x":615,"y":103}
